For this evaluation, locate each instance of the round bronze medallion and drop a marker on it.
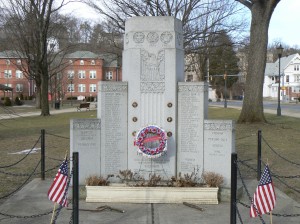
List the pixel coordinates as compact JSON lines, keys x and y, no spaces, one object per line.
{"x":169,"y":119}
{"x":170,"y":104}
{"x":134,"y":119}
{"x":134,"y":104}
{"x":169,"y":134}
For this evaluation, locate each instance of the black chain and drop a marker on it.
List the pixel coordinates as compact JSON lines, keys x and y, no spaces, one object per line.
{"x":248,"y":194}
{"x":65,"y":194}
{"x":287,"y":185}
{"x":294,"y":163}
{"x":22,"y":185}
{"x":275,"y":214}
{"x":57,"y":135}
{"x":238,"y":213}
{"x":23,"y":157}
{"x":27,"y":174}
{"x":26,"y":216}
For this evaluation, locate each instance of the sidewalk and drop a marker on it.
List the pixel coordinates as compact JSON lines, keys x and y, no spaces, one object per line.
{"x":32,"y":200}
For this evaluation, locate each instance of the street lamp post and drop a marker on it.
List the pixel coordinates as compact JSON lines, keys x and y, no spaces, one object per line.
{"x":71,"y":91}
{"x":279,"y":52}
{"x":225,"y":87}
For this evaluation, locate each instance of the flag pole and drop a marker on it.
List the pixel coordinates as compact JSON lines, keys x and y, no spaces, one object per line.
{"x":53,"y":213}
{"x":271,"y":217}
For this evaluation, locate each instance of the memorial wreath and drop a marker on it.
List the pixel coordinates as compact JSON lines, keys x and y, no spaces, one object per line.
{"x":150,"y":134}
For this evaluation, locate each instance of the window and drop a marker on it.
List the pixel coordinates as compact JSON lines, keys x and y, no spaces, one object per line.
{"x":70,"y":74}
{"x":19,"y":74}
{"x":81,"y":88}
{"x":8,"y":85}
{"x":296,"y":67}
{"x":81,"y":74}
{"x":7,"y":62}
{"x":19,"y":62}
{"x":70,"y":87}
{"x":93,"y":62}
{"x":92,"y":74}
{"x":81,"y":62}
{"x":297,"y":78}
{"x":19,"y":88}
{"x":70,"y":62}
{"x":109,"y":75}
{"x":93,"y":88}
{"x":7,"y":74}
{"x":287,"y":78}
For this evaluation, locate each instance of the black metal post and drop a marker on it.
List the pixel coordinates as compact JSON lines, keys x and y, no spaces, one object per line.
{"x":43,"y":154}
{"x":233,"y":188}
{"x":75,"y":188}
{"x":259,"y":155}
{"x":225,"y":94}
{"x":279,"y":49}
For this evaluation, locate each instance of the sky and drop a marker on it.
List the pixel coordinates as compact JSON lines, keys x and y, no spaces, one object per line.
{"x":284,"y":25}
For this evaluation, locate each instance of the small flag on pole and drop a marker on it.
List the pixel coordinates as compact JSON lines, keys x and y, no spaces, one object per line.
{"x":264,"y":197}
{"x":57,"y":190}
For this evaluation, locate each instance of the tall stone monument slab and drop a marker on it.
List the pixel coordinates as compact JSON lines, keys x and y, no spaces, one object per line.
{"x":153,"y":65}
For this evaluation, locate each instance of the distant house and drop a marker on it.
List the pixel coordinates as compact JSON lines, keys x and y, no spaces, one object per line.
{"x":289,"y":78}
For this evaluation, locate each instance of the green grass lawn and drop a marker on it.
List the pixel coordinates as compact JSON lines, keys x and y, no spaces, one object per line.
{"x":281,"y":133}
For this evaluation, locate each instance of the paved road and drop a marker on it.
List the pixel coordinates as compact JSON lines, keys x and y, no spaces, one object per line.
{"x":287,"y":109}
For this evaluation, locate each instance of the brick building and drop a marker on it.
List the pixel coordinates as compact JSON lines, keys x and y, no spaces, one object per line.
{"x":78,"y":77}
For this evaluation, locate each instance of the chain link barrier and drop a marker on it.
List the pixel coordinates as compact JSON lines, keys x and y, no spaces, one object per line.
{"x":65,"y":194}
{"x":273,"y":150}
{"x":58,"y":136}
{"x":248,"y":194}
{"x":244,"y":185}
{"x":23,"y":184}
{"x":13,"y":164}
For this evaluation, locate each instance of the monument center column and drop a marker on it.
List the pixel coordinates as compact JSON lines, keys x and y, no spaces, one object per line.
{"x":153,"y":64}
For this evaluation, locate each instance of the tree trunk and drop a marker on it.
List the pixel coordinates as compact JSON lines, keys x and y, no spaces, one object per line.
{"x":252,"y":110}
{"x":45,"y":111}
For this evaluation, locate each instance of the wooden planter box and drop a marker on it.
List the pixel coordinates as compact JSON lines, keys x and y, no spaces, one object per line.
{"x":127,"y":194}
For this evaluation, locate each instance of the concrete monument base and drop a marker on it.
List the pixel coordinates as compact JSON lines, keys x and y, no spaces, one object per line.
{"x":125,"y":194}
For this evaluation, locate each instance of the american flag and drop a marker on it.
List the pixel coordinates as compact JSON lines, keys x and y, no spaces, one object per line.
{"x":57,"y":192}
{"x":264,"y":197}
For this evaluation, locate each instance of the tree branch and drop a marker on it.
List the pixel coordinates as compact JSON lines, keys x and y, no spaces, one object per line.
{"x":247,"y":3}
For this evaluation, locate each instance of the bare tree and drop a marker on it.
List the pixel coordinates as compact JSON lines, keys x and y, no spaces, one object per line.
{"x":201,"y":19}
{"x":29,"y":24}
{"x":261,"y":12}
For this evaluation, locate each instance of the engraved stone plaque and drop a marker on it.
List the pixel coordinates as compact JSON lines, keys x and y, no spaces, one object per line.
{"x":85,"y":139}
{"x":219,"y":144}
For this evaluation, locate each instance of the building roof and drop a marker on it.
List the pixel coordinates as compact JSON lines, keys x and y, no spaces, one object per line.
{"x":11,"y":54}
{"x":82,"y":54}
{"x":272,"y":68}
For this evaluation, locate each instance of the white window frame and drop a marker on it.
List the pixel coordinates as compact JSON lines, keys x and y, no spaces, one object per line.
{"x":19,"y":74}
{"x":71,"y":74}
{"x":81,"y":62}
{"x":7,"y":74}
{"x":81,"y":88}
{"x":19,"y":88}
{"x":93,"y":62}
{"x":93,"y":74}
{"x":109,"y":75}
{"x":81,"y":74}
{"x":93,"y":88}
{"x":71,"y":88}
{"x":19,"y":62}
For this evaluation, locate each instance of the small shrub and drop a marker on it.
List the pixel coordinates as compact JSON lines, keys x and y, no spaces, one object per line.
{"x":213,"y":179}
{"x":7,"y":101}
{"x":18,"y":101}
{"x":97,"y":181}
{"x":187,"y":180}
{"x":154,"y":180}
